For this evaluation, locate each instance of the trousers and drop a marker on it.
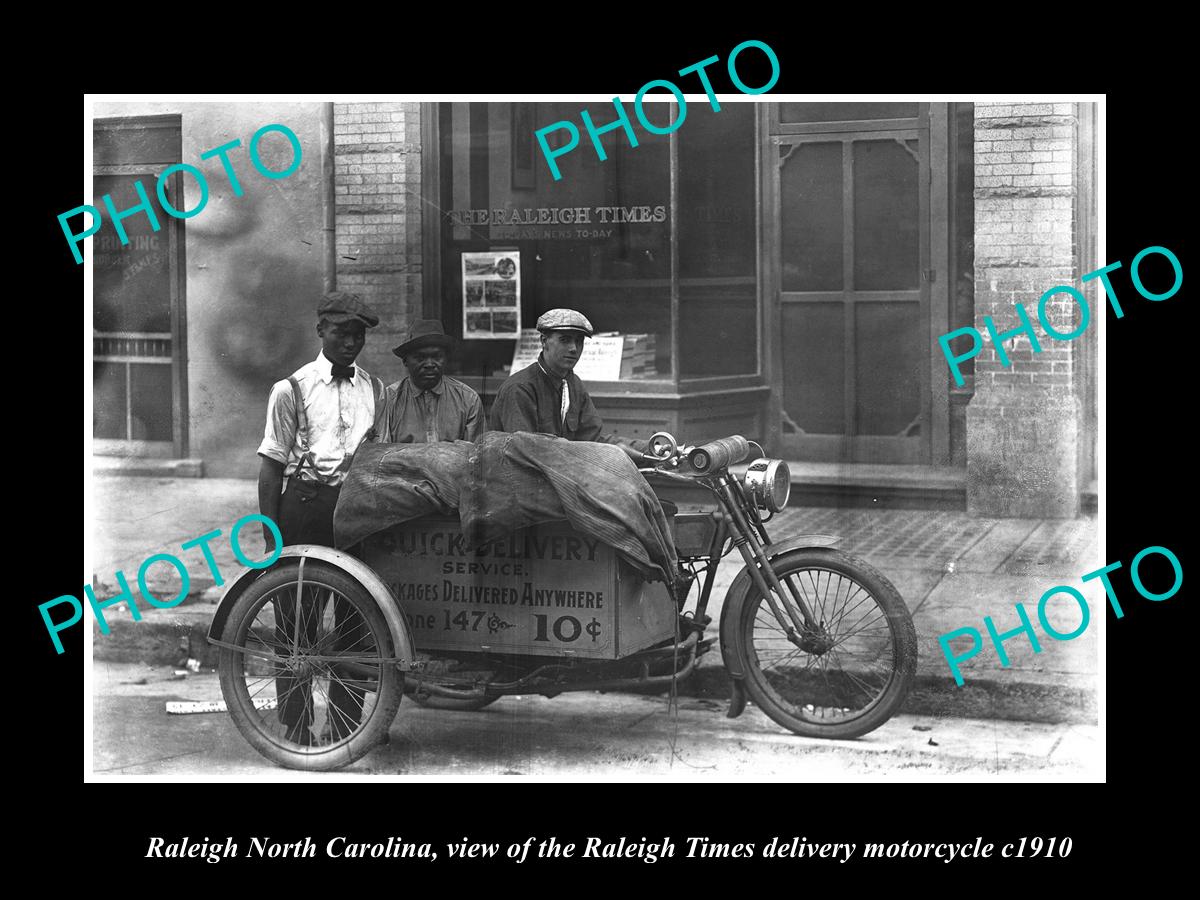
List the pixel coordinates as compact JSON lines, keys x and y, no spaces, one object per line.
{"x":306,"y":517}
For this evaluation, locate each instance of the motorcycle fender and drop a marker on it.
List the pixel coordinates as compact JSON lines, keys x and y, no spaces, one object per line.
{"x":741,"y":585}
{"x":402,"y":642}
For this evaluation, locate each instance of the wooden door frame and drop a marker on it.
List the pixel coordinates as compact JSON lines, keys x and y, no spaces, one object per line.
{"x":934,"y":199}
{"x":940,"y":279}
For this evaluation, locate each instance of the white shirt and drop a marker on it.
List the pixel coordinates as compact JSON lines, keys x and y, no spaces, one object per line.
{"x":566,"y":393}
{"x":339,"y":414}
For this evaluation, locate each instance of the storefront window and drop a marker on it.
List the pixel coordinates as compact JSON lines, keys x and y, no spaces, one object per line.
{"x":600,"y":239}
{"x":718,"y":251}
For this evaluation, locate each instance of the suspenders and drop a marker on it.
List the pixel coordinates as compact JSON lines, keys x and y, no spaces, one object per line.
{"x":301,"y":431}
{"x":306,"y":455}
{"x":373,"y":432}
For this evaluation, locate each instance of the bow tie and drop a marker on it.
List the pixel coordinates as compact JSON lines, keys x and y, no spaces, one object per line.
{"x":346,"y":372}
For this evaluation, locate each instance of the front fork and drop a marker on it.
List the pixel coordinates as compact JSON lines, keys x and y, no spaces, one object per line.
{"x":798,"y":622}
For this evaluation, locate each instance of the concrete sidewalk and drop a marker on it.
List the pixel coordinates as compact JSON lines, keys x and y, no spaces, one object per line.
{"x":581,"y":737}
{"x":950,"y":568}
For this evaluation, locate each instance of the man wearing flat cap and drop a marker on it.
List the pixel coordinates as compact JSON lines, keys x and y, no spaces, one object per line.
{"x":548,"y":397}
{"x":316,"y":418}
{"x":428,"y":406}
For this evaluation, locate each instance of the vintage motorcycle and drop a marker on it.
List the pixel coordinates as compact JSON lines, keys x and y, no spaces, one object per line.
{"x":317,"y":652}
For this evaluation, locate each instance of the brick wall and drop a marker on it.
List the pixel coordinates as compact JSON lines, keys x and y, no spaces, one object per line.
{"x":1022,"y":421}
{"x":377,"y":184}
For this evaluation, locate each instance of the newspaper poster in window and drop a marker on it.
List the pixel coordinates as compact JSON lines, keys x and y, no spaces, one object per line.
{"x":491,"y":295}
{"x":600,"y":361}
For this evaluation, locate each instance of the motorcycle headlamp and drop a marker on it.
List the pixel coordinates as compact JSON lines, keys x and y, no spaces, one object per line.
{"x":769,"y":484}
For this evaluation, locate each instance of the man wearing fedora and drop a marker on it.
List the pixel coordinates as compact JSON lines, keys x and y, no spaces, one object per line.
{"x":548,"y":397}
{"x":316,"y":418}
{"x":428,"y":406}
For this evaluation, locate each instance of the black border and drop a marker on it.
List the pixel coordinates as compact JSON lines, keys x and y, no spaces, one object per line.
{"x":1148,"y":443}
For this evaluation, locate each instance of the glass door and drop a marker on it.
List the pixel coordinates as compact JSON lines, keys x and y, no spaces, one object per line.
{"x":131,"y":337}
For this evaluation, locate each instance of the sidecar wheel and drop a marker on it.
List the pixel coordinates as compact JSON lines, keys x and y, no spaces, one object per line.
{"x":856,"y":684}
{"x":309,"y":691}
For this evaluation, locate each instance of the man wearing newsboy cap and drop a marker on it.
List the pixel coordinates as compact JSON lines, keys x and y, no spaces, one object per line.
{"x":548,"y":397}
{"x":428,"y":406}
{"x":316,"y":418}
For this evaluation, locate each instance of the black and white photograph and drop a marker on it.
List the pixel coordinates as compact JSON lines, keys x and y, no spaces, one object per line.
{"x":479,"y":322}
{"x":500,"y":293}
{"x":833,"y":520}
{"x":505,"y":323}
{"x":479,"y":266}
{"x":498,"y":277}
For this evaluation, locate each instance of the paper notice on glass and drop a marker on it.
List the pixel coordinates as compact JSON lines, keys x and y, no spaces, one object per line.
{"x":491,"y":295}
{"x":601,"y":359}
{"x":528,"y":347}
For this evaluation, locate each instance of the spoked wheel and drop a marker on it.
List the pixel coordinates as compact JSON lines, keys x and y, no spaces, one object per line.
{"x":307,"y":686}
{"x":849,"y":675}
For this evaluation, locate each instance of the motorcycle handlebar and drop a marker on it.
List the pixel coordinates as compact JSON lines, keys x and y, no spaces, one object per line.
{"x":690,"y":462}
{"x":719,"y":453}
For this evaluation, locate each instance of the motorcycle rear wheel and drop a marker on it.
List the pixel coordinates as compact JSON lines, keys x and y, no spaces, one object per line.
{"x":858,"y":683}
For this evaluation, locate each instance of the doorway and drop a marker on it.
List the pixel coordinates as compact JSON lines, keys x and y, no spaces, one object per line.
{"x":139,"y":362}
{"x":854,"y":242}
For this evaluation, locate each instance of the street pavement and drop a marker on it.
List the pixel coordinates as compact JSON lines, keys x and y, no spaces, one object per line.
{"x":951,"y":569}
{"x":585,"y":736}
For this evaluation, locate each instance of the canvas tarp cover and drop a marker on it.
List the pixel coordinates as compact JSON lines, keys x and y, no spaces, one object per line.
{"x":504,"y":482}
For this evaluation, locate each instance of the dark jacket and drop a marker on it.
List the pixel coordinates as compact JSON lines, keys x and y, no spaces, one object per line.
{"x":530,"y":400}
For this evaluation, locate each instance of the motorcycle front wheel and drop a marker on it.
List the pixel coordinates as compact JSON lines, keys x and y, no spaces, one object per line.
{"x":856,"y":669}
{"x":303,"y":671}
